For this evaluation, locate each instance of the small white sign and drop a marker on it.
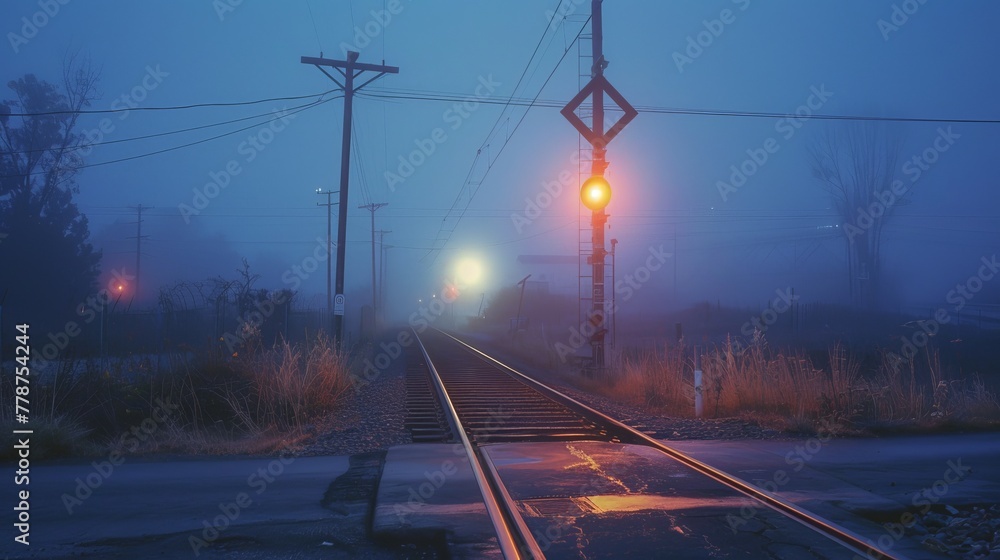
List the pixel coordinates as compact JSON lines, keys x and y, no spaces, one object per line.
{"x":338,"y":304}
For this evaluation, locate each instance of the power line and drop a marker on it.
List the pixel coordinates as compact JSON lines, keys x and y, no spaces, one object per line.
{"x":489,"y":165}
{"x":359,"y":162}
{"x":447,"y":97}
{"x":523,"y":73}
{"x":793,"y":234}
{"x":653,"y":109}
{"x":168,"y":133}
{"x":517,"y":239}
{"x":687,"y":216}
{"x":188,"y":145}
{"x":315,"y":29}
{"x":815,"y":116}
{"x":173,"y":107}
{"x":489,"y":136}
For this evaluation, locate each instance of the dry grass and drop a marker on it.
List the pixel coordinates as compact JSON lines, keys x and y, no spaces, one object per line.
{"x":753,"y":381}
{"x":657,"y":380}
{"x":790,"y":390}
{"x":290,"y":386}
{"x":260,"y":401}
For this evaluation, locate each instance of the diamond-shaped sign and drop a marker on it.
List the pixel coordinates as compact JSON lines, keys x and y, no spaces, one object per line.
{"x":591,"y":135}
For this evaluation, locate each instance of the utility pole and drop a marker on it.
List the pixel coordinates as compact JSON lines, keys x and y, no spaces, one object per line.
{"x":138,"y":245}
{"x":520,"y":302}
{"x":349,"y":70}
{"x":381,"y":268}
{"x":384,"y":294}
{"x":372,"y":207}
{"x":329,"y":245}
{"x":614,"y":304}
{"x":677,"y":306}
{"x":593,"y":195}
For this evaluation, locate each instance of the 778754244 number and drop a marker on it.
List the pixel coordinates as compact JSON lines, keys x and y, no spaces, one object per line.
{"x":22,"y":353}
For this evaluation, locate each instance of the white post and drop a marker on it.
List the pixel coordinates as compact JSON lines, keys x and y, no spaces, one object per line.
{"x":698,"y":409}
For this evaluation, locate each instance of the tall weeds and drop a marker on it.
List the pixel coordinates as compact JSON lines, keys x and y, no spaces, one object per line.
{"x":756,"y":381}
{"x":217,"y":404}
{"x":289,"y":385}
{"x":655,"y":379}
{"x":753,"y":380}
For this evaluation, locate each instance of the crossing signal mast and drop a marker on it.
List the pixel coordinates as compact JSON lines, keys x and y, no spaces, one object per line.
{"x":595,"y":193}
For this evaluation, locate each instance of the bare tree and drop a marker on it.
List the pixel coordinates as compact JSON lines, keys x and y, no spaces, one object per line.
{"x":41,"y":155}
{"x":39,"y":163}
{"x":856,"y":163}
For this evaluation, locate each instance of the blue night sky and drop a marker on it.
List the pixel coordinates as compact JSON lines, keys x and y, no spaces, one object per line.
{"x":771,"y":57}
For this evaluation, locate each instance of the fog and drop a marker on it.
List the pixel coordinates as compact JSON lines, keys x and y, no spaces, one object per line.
{"x":682,"y":193}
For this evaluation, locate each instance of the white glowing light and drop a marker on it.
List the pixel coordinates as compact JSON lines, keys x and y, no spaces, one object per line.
{"x":470,"y":271}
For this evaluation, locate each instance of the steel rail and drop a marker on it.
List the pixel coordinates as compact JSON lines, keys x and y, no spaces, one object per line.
{"x":516,"y":540}
{"x":849,"y":539}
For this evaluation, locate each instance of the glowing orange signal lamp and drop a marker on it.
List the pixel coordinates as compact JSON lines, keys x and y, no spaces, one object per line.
{"x":596,"y":193}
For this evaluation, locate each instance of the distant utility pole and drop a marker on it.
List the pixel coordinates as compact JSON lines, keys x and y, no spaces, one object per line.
{"x":349,"y":69}
{"x":520,"y":302}
{"x":381,"y":267}
{"x":138,"y":245}
{"x":614,"y":305}
{"x":372,"y":207}
{"x":674,"y":258}
{"x":329,"y":246}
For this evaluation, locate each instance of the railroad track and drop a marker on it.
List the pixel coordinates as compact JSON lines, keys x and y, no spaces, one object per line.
{"x":484,"y":401}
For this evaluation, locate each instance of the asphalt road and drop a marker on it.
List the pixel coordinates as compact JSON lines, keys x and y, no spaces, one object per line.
{"x":271,"y":508}
{"x":79,"y":508}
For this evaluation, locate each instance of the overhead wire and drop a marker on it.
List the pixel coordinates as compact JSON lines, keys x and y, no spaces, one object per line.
{"x":513,"y":100}
{"x":509,"y":136}
{"x":173,"y":107}
{"x":450,"y":97}
{"x":315,"y":29}
{"x":411,"y":95}
{"x":489,"y":136}
{"x":359,"y":166}
{"x":187,"y":145}
{"x":363,"y":241}
{"x":524,"y":72}
{"x":634,"y":219}
{"x":167,"y":133}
